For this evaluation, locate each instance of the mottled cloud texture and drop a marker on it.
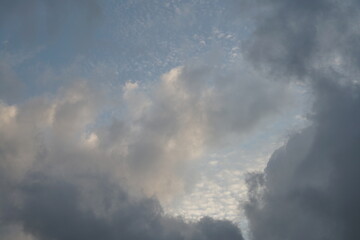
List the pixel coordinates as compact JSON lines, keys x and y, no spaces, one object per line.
{"x":309,"y":187}
{"x":62,"y":160}
{"x":48,"y":18}
{"x":62,"y":178}
{"x":80,"y":163}
{"x":89,"y":161}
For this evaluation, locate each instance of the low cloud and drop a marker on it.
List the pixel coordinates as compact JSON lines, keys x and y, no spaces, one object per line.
{"x":56,"y":146}
{"x":51,"y":208}
{"x":308,"y":189}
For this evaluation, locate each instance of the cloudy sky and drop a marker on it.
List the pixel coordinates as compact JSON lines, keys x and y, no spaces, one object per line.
{"x":179,"y":119}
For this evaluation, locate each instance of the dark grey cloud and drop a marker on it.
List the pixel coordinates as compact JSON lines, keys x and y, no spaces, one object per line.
{"x":51,"y":208}
{"x":295,"y":38}
{"x":309,"y":187}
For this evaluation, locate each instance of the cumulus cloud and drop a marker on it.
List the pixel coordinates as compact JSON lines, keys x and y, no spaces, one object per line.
{"x":51,"y":208}
{"x":298,"y":38}
{"x":189,"y":110}
{"x":78,"y":164}
{"x":162,"y":127}
{"x":308,"y":189}
{"x":52,"y":177}
{"x":53,"y":146}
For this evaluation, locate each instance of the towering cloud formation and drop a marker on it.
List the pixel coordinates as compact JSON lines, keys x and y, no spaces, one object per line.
{"x":68,"y":171}
{"x":62,"y":179}
{"x":309,"y":187}
{"x":56,"y":150}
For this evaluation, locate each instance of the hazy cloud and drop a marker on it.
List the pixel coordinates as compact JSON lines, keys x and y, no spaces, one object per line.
{"x":296,"y":38}
{"x":27,"y":20}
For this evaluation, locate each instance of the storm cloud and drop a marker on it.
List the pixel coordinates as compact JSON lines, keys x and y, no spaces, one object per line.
{"x":48,"y":208}
{"x":309,"y":187}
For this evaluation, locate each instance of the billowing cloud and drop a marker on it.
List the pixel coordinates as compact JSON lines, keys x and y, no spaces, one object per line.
{"x":299,"y":38}
{"x":160,"y":129}
{"x":191,"y":109}
{"x":53,"y":208}
{"x":89,"y":161}
{"x":53,"y":176}
{"x":55,"y":147}
{"x":308,"y":189}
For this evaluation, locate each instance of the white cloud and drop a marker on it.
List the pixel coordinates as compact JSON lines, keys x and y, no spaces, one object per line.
{"x":150,"y":146}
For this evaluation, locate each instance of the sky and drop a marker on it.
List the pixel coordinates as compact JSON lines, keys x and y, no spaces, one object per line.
{"x":179,"y":119}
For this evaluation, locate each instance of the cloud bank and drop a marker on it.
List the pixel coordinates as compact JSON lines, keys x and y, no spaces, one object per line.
{"x":63,"y":177}
{"x":79,"y":164}
{"x":308,"y":189}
